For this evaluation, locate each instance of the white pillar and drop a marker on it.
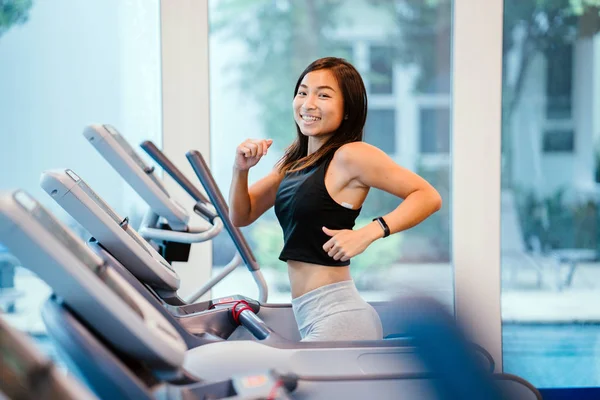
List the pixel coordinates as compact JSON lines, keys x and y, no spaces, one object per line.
{"x":476,"y":121}
{"x":184,"y":40}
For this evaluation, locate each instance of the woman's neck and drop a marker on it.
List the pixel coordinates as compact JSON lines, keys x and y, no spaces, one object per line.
{"x":315,"y":143}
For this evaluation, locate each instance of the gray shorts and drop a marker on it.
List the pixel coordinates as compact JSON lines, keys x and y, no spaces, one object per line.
{"x":336,"y":312}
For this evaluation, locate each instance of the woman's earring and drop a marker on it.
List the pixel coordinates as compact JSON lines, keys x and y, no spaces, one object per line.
{"x":346,"y":116}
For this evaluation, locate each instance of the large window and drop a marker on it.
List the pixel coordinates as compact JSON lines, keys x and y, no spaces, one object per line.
{"x":402,"y":50}
{"x":550,"y":195}
{"x":66,"y":64}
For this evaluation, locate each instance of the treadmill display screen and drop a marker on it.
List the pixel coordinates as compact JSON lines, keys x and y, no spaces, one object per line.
{"x":99,"y":202}
{"x":75,"y":246}
{"x":135,"y":157}
{"x":113,"y":215}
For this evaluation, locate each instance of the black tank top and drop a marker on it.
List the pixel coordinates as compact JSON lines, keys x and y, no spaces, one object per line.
{"x":303,"y":206}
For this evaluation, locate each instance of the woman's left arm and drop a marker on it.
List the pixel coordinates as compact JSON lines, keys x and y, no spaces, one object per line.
{"x":371,"y":167}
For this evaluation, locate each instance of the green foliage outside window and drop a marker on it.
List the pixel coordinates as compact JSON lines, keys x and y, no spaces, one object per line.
{"x":559,"y":222}
{"x":13,"y":12}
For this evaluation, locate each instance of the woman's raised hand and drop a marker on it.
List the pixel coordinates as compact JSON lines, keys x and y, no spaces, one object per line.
{"x":249,"y":153}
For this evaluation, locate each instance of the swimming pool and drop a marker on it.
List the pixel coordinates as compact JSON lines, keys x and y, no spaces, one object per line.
{"x":553,"y":355}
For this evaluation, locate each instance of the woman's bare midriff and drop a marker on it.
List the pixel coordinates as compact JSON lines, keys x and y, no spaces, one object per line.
{"x":305,"y":277}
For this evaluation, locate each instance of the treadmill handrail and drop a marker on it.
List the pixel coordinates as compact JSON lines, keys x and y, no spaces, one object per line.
{"x":261,"y":283}
{"x":214,"y":193}
{"x":232,"y":265}
{"x":182,"y":237}
{"x":167,"y":165}
{"x":216,"y":197}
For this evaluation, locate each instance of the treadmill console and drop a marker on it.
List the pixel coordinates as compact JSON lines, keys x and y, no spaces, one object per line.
{"x":122,"y":222}
{"x":134,"y":156}
{"x":103,"y":299}
{"x":126,"y":161}
{"x":111,"y":230}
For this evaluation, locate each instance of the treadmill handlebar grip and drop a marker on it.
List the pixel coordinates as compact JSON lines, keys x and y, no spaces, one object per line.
{"x":214,"y":193}
{"x":202,"y":209}
{"x":161,"y":159}
{"x":255,"y":325}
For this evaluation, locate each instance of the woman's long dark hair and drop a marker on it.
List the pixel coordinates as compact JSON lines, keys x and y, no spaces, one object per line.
{"x":351,"y":127}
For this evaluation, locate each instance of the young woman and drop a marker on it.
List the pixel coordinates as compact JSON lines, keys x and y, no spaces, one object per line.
{"x":318,"y":188}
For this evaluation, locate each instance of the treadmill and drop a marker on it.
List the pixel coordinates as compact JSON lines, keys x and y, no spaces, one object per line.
{"x":279,"y":317}
{"x":29,"y":375}
{"x":125,"y":349}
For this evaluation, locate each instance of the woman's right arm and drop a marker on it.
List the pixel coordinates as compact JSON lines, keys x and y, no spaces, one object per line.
{"x":247,"y":204}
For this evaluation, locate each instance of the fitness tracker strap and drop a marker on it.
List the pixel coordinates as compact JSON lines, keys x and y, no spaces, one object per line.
{"x":384,"y":226}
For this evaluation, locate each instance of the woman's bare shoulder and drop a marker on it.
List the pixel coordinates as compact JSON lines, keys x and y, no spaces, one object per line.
{"x":356,"y":154}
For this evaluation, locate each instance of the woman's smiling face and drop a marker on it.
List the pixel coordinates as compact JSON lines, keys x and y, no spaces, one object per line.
{"x":318,"y":104}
